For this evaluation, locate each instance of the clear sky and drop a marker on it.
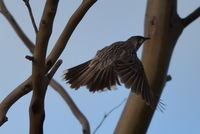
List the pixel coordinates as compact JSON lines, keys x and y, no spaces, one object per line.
{"x":106,"y":22}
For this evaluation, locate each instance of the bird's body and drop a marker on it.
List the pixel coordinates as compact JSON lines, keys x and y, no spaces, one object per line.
{"x":114,"y":62}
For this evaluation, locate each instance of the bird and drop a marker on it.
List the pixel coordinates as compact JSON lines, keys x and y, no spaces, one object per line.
{"x":114,"y":64}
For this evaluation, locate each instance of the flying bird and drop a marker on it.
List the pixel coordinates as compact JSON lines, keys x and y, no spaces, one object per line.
{"x":112,"y":65}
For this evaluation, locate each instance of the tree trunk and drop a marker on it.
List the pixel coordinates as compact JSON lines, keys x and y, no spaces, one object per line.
{"x":163,"y":26}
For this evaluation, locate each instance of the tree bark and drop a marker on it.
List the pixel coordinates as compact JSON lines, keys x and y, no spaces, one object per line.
{"x":24,"y":88}
{"x":39,"y":80}
{"x":163,"y":26}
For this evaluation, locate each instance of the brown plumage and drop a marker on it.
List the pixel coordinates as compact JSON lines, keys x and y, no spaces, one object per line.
{"x":114,"y":62}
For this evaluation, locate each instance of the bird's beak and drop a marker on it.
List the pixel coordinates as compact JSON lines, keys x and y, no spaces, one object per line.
{"x":146,"y":38}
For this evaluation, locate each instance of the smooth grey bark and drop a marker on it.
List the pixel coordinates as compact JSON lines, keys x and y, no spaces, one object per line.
{"x":164,"y":27}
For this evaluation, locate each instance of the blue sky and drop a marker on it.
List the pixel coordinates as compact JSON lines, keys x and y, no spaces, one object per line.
{"x":105,"y":23}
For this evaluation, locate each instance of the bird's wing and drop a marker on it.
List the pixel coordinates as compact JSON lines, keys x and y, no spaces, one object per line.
{"x":103,"y":79}
{"x":92,"y":74}
{"x":131,"y":73}
{"x":102,"y":68}
{"x":72,"y":75}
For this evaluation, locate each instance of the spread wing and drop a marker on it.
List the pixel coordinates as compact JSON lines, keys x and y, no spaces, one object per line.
{"x":97,"y":74}
{"x":92,"y":74}
{"x":131,"y":73}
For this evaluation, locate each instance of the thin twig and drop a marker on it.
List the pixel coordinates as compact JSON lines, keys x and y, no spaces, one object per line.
{"x":31,"y":15}
{"x":107,"y":114}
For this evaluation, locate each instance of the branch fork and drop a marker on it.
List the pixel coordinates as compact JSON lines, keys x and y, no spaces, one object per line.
{"x":39,"y":66}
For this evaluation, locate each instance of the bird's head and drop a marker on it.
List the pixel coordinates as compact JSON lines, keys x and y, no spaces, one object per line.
{"x":137,"y":41}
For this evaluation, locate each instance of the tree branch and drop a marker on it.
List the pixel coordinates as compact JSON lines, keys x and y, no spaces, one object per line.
{"x":16,"y":27}
{"x":164,"y":26}
{"x":54,"y":69}
{"x":26,"y":87}
{"x":68,"y":30}
{"x":31,"y":15}
{"x":77,"y":113}
{"x":16,"y":94}
{"x":30,"y":58}
{"x":191,"y":17}
{"x":21,"y":90}
{"x":39,"y":81}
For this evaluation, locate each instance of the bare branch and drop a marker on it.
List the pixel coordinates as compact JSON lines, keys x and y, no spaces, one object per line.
{"x":191,"y":17}
{"x":107,"y":114}
{"x":26,"y":87}
{"x":54,"y":69}
{"x":168,"y":78}
{"x":39,"y":81}
{"x":59,"y":46}
{"x":163,"y":25}
{"x":31,"y":58}
{"x":68,"y":30}
{"x":16,"y":94}
{"x":77,"y":113}
{"x":16,"y":27}
{"x":31,"y":15}
{"x":19,"y":92}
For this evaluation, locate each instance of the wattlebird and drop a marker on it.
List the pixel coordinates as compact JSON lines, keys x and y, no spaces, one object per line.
{"x":110,"y":66}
